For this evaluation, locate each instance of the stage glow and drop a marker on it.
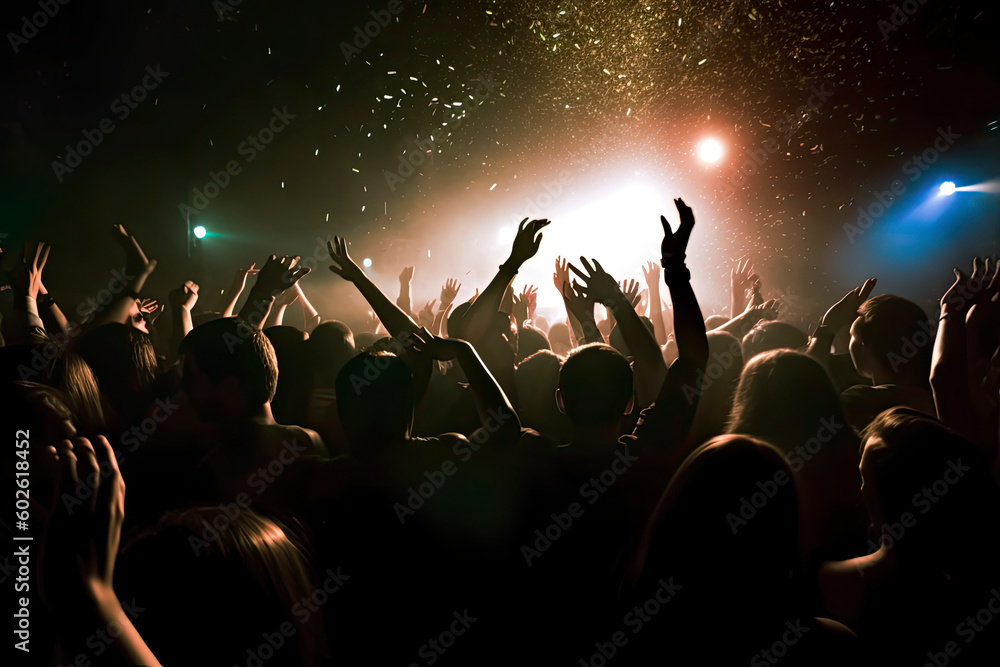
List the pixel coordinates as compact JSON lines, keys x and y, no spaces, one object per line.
{"x":200,"y":232}
{"x":947,"y":188}
{"x":710,"y":151}
{"x":367,"y":261}
{"x":595,"y":228}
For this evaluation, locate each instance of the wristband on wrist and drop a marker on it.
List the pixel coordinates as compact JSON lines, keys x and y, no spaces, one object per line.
{"x":824,"y":331}
{"x":675,"y":270}
{"x":45,"y":301}
{"x":506,"y":267}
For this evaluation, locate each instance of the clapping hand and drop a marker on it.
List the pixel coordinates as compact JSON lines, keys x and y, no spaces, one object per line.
{"x":674,"y":245}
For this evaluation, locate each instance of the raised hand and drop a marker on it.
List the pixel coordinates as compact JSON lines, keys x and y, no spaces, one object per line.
{"x":406,"y":275}
{"x":530,"y":295}
{"x":240,"y":278}
{"x":526,"y":242}
{"x":674,"y":245}
{"x":578,"y":303}
{"x":343,"y":265}
{"x":278,"y":275}
{"x":150,"y":310}
{"x":742,"y":276}
{"x":81,"y":539}
{"x":598,"y":285}
{"x":630,"y":288}
{"x":441,"y":349}
{"x":768,"y":310}
{"x":561,"y":276}
{"x":651,"y":274}
{"x":845,"y":311}
{"x":26,"y":276}
{"x":136,"y":262}
{"x":426,"y":314}
{"x":520,"y":308}
{"x":448,"y":293}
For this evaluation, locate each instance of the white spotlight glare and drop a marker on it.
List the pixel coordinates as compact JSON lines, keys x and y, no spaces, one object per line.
{"x":710,"y":151}
{"x":367,"y":262}
{"x":947,"y":188}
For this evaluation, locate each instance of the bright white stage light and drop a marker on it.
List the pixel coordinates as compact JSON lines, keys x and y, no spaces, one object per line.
{"x":710,"y":151}
{"x":367,"y":262}
{"x":947,"y":188}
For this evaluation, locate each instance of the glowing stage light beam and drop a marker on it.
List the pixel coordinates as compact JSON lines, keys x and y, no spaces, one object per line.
{"x":200,"y":232}
{"x":367,"y":261}
{"x":947,"y":188}
{"x":710,"y":151}
{"x":986,"y":187}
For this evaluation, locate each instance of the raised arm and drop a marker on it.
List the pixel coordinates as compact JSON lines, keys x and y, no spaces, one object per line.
{"x":479,"y":316}
{"x":274,"y":278}
{"x":651,"y":273}
{"x":309,"y":314}
{"x":689,"y":323}
{"x":392,"y":317}
{"x":137,"y":270}
{"x":78,"y":552}
{"x":499,"y":422}
{"x":648,"y":361}
{"x":403,"y":300}
{"x":840,"y":315}
{"x":581,"y":307}
{"x":26,"y":280}
{"x":236,"y":288}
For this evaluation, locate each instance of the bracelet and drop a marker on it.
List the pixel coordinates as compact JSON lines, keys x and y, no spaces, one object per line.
{"x":824,"y":330}
{"x":504,"y":267}
{"x":675,"y":272}
{"x":45,"y":301}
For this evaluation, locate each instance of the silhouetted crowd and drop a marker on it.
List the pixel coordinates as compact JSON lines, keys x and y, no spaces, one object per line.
{"x":466,"y":483}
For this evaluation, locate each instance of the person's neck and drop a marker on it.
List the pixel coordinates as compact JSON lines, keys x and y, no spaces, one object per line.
{"x":259,"y":414}
{"x":599,"y":436}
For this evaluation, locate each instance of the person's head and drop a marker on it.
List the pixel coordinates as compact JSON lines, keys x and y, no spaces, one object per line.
{"x":73,"y":376}
{"x":375,"y":400}
{"x":892,"y":338}
{"x":715,"y":321}
{"x":124,"y":363}
{"x":536,"y":380}
{"x":559,"y":339}
{"x":912,"y":464}
{"x":700,"y":534}
{"x":529,"y":341}
{"x":541,"y":323}
{"x":595,"y":386}
{"x":291,"y":395}
{"x":230,"y":369}
{"x":787,"y":398}
{"x":221,"y":582}
{"x":773,"y":335}
{"x":330,"y":346}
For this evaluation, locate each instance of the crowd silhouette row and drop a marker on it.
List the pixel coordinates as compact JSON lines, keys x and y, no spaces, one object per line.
{"x":466,"y":483}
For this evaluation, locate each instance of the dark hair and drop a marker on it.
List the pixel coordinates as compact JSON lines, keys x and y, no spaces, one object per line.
{"x":885,"y":324}
{"x":73,"y":376}
{"x":529,"y":341}
{"x":785,"y":397}
{"x":536,"y":380}
{"x":375,"y":399}
{"x":596,"y":385}
{"x":330,"y":346}
{"x":291,"y":395}
{"x":124,"y":362}
{"x":230,"y":347}
{"x":773,"y":335}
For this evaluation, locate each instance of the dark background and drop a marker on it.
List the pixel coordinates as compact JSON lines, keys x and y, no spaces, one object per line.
{"x":609,"y":91}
